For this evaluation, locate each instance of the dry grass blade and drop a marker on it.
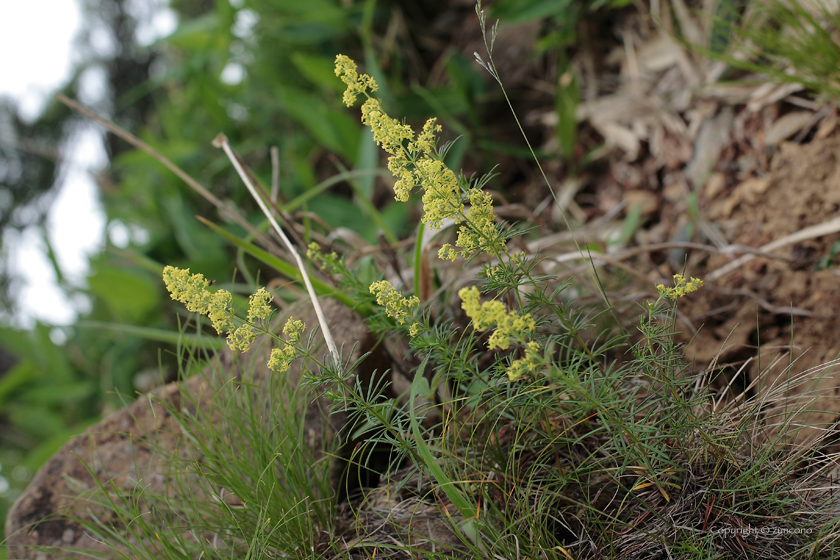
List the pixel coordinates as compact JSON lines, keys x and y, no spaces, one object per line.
{"x":221,"y":142}
{"x":819,"y":230}
{"x":275,"y":173}
{"x":183,"y":175}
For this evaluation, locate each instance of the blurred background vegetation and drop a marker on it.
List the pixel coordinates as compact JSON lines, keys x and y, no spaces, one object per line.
{"x":261,"y":71}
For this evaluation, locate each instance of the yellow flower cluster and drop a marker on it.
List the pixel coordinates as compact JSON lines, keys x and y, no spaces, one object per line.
{"x":417,"y":162}
{"x":281,"y":358}
{"x":482,"y":234}
{"x":357,"y":85}
{"x":258,"y":307}
{"x":441,"y":199}
{"x":388,"y":133}
{"x":509,"y":325}
{"x":242,"y":338}
{"x":191,"y":290}
{"x":258,"y":310}
{"x":328,"y":263}
{"x":681,"y":287}
{"x":395,"y":304}
{"x":525,"y":365}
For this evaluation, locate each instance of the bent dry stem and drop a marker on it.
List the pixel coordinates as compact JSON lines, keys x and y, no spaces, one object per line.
{"x":221,"y":142}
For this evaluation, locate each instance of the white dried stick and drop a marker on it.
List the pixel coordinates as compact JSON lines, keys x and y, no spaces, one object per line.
{"x":221,"y":141}
{"x":819,"y":230}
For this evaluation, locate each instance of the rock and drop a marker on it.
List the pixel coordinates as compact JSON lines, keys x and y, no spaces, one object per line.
{"x":407,"y":511}
{"x":123,"y":450}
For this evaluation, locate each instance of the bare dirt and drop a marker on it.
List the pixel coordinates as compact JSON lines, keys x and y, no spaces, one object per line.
{"x":780,"y":307}
{"x":731,"y":165}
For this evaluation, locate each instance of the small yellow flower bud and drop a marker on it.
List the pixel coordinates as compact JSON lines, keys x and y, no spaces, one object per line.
{"x":258,"y":307}
{"x":241,"y":338}
{"x":395,"y":304}
{"x":293,"y":329}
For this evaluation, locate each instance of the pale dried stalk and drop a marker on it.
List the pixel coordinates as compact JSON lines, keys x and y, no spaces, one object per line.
{"x":275,"y":173}
{"x":221,"y":142}
{"x":224,"y":209}
{"x":819,"y":230}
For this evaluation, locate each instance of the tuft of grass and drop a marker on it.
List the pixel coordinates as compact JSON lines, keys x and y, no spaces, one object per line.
{"x":788,"y":41}
{"x":249,"y":476}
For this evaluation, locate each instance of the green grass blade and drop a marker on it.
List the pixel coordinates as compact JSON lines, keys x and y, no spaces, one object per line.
{"x":299,"y":201}
{"x":160,"y":335}
{"x":448,"y":486}
{"x":418,"y":258}
{"x":281,"y":266}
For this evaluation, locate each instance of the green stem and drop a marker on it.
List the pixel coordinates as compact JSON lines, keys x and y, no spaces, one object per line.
{"x":418,"y":257}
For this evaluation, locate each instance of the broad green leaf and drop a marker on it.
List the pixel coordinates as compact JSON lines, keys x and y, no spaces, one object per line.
{"x":367,"y":160}
{"x":196,"y":242}
{"x":342,"y":212}
{"x":632,"y":223}
{"x":51,"y":358}
{"x":327,"y":126}
{"x":22,"y":374}
{"x":130,"y":295}
{"x":56,"y":394}
{"x":518,"y":11}
{"x":19,"y":343}
{"x":397,"y":217}
{"x":40,"y":421}
{"x":196,"y":33}
{"x":159,"y":335}
{"x":319,"y":70}
{"x":566,"y":99}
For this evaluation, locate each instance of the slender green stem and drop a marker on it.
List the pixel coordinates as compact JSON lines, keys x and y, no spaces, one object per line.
{"x":418,"y":257}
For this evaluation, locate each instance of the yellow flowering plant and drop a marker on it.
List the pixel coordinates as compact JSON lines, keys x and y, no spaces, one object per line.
{"x":509,"y":325}
{"x":517,"y":419}
{"x":681,"y":287}
{"x":417,"y":162}
{"x":192,"y":291}
{"x":396,"y":306}
{"x":530,"y":424}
